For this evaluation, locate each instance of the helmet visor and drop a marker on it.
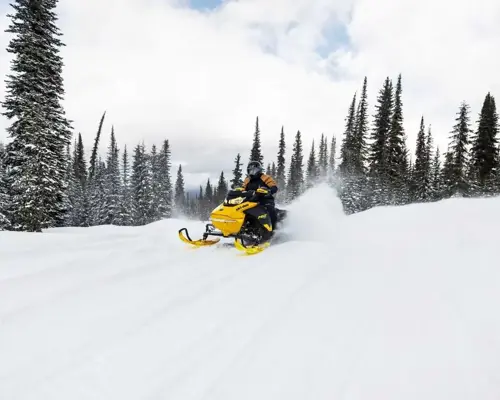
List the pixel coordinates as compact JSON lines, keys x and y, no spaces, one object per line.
{"x":253,"y":170}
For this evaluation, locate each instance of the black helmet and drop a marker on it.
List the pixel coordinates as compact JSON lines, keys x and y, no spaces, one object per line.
{"x":254,"y":168}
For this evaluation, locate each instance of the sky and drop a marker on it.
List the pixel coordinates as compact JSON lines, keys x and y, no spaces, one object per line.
{"x":199,"y":72}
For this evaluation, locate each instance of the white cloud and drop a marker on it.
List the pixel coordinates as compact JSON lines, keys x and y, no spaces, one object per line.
{"x":162,"y":70}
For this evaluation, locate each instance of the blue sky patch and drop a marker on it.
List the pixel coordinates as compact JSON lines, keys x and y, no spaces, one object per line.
{"x":204,"y":5}
{"x":336,"y":37}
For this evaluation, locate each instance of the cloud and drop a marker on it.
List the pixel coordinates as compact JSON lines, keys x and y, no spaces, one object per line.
{"x":164,"y":70}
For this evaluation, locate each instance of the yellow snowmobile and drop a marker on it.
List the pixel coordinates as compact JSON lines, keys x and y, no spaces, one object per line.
{"x":241,"y":217}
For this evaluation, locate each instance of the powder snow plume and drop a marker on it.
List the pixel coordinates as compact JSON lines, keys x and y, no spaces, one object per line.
{"x":314,"y":216}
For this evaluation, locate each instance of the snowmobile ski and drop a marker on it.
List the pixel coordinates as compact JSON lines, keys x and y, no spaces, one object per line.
{"x":198,"y":243}
{"x":251,"y":250}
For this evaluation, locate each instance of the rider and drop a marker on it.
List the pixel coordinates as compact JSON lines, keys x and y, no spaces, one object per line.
{"x":257,"y":179}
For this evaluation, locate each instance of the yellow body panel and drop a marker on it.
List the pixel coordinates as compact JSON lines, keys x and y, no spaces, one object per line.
{"x":229,"y":220}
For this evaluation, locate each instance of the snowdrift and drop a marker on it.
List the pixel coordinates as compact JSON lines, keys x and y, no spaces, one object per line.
{"x":393,"y":303}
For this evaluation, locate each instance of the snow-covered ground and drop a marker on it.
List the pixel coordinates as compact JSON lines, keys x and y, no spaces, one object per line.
{"x":394,"y":303}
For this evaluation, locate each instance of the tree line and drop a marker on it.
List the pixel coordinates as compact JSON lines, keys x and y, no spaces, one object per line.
{"x":47,"y":180}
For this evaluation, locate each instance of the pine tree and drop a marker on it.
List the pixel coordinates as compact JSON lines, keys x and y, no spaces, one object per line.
{"x":237,"y":180}
{"x":348,"y":144}
{"x":281,"y":168}
{"x":359,"y":151}
{"x":222,"y":188}
{"x":295,"y":185}
{"x":273,"y":169}
{"x":420,"y":177}
{"x":113,"y":183}
{"x":312,"y":168}
{"x":396,"y":154}
{"x":484,"y":152}
{"x":141,"y":186}
{"x":208,"y":201}
{"x":95,"y":186}
{"x":179,"y":191}
{"x":447,"y":175}
{"x":97,"y":195}
{"x":125,"y":217}
{"x":333,"y":155}
{"x":36,"y":161}
{"x":428,"y":166}
{"x":4,"y":221}
{"x":323,"y":157}
{"x":79,"y":162}
{"x":95,"y":149}
{"x":165,"y":180}
{"x":79,"y":215}
{"x":380,"y":134}
{"x":256,"y":152}
{"x":436,"y":176}
{"x":459,"y":144}
{"x":156,"y":194}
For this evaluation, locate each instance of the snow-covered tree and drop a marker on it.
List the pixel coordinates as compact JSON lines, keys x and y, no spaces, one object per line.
{"x":36,"y":161}
{"x":237,"y":180}
{"x":113,"y":182}
{"x":256,"y":152}
{"x":180,"y":195}
{"x":141,"y":186}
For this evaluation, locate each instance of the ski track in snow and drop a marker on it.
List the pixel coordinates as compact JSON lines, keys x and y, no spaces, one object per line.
{"x":393,"y":303}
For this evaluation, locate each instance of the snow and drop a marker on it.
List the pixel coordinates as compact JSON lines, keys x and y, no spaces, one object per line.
{"x":393,"y":303}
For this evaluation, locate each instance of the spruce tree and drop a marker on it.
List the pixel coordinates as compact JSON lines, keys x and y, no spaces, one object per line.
{"x":420,"y":173}
{"x":113,"y":182}
{"x":380,"y":134}
{"x":323,"y":157}
{"x":459,"y":147}
{"x":208,"y":201}
{"x":256,"y":152}
{"x":333,"y":155}
{"x":36,"y":160}
{"x":95,"y":150}
{"x":79,"y":162}
{"x":312,"y":167}
{"x":281,"y":167}
{"x":484,"y":151}
{"x":141,"y":186}
{"x":165,"y":181}
{"x":155,"y":185}
{"x":78,"y":187}
{"x":179,"y":191}
{"x":396,"y":154}
{"x":222,"y":188}
{"x":295,"y":184}
{"x":125,"y":217}
{"x":348,"y":144}
{"x":436,"y":176}
{"x":273,"y":170}
{"x":95,"y":187}
{"x":359,"y":151}
{"x":237,"y":180}
{"x":447,"y":175}
{"x":4,"y":221}
{"x":98,"y":209}
{"x":428,"y":166}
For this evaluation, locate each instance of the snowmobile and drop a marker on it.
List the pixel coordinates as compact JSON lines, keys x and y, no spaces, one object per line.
{"x":241,"y":217}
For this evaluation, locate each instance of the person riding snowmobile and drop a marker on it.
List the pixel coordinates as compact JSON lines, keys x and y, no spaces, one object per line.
{"x":258,"y":179}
